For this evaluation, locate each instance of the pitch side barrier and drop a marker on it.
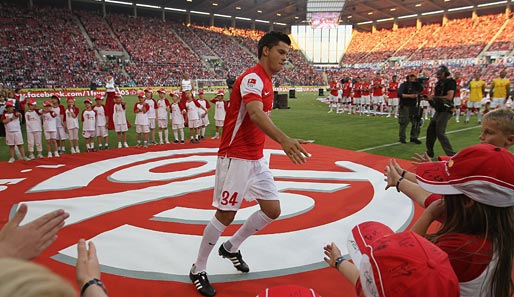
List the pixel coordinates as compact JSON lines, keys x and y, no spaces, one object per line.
{"x":78,"y":92}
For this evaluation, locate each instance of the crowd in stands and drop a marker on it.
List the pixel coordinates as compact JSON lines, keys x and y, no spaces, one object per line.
{"x":460,"y":38}
{"x":98,"y":31}
{"x":158,"y":55}
{"x":33,"y":56}
{"x":505,"y":40}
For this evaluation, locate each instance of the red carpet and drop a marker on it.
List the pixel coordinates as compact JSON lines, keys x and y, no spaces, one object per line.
{"x":146,"y":210}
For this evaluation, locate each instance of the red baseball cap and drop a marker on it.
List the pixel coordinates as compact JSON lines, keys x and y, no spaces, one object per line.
{"x":47,"y":103}
{"x":32,"y":102}
{"x":140,"y":94}
{"x":99,"y":96}
{"x":288,"y":290}
{"x":220,"y":93}
{"x":70,"y":97}
{"x":201,"y":91}
{"x":56,"y":96}
{"x":400,"y":264}
{"x":162,"y":90}
{"x":149,"y":90}
{"x":88,"y":100}
{"x":483,"y":172}
{"x":117,"y":94}
{"x":9,"y":103}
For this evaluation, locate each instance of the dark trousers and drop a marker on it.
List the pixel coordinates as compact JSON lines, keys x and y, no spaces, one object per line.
{"x":437,"y":130}
{"x":406,"y":115}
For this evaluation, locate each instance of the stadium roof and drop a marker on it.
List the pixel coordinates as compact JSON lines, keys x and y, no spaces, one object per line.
{"x":284,"y":13}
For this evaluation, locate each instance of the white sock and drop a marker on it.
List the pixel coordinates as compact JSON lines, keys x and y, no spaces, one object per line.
{"x":175,"y":134}
{"x":182,"y":134}
{"x":160,"y":136}
{"x":254,"y":223}
{"x":203,"y":132}
{"x":166,"y":135}
{"x":211,"y":234}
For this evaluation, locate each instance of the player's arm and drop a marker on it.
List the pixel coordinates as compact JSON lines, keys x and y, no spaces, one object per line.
{"x":291,"y":146}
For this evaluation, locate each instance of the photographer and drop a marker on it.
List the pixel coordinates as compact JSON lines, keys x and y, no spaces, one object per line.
{"x":442,"y":102}
{"x":409,"y":108}
{"x":230,"y":82}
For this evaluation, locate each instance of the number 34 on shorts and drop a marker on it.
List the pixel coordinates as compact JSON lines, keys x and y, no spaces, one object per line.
{"x":227,"y":198}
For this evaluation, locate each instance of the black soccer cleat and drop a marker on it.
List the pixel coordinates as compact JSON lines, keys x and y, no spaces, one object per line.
{"x":236,"y":258}
{"x":201,"y":283}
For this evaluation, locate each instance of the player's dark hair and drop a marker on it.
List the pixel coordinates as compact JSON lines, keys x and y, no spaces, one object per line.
{"x":271,"y":39}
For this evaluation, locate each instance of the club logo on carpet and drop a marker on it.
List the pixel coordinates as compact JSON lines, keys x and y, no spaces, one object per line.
{"x":164,"y":201}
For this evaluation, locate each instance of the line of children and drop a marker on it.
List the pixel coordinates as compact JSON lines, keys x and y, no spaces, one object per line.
{"x":58,"y":124}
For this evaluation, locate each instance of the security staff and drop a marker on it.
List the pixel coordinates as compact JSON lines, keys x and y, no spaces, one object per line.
{"x":410,"y":111}
{"x":442,"y":102}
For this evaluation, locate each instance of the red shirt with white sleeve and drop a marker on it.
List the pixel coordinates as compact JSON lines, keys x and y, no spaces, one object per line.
{"x":242,"y":138}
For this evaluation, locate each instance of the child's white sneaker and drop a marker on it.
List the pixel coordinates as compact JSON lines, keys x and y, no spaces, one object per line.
{"x":40,"y":156}
{"x":119,"y":144}
{"x":32,"y":157}
{"x":56,"y":154}
{"x":125,"y":144}
{"x":11,"y":160}
{"x":72,"y":150}
{"x":49,"y":155}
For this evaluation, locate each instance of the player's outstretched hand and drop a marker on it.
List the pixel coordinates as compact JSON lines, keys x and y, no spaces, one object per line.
{"x":295,"y":151}
{"x":28,"y":241}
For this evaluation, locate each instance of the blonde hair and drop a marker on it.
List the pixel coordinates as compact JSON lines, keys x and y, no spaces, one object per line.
{"x":20,"y":278}
{"x":503,"y":118}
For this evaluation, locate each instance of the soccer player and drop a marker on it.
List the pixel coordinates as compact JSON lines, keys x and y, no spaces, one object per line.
{"x":366,"y":97}
{"x":476,"y":94}
{"x":500,"y":89}
{"x":333,"y":96}
{"x":392,"y":95}
{"x":246,"y":125}
{"x":377,"y":87}
{"x":457,"y":100}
